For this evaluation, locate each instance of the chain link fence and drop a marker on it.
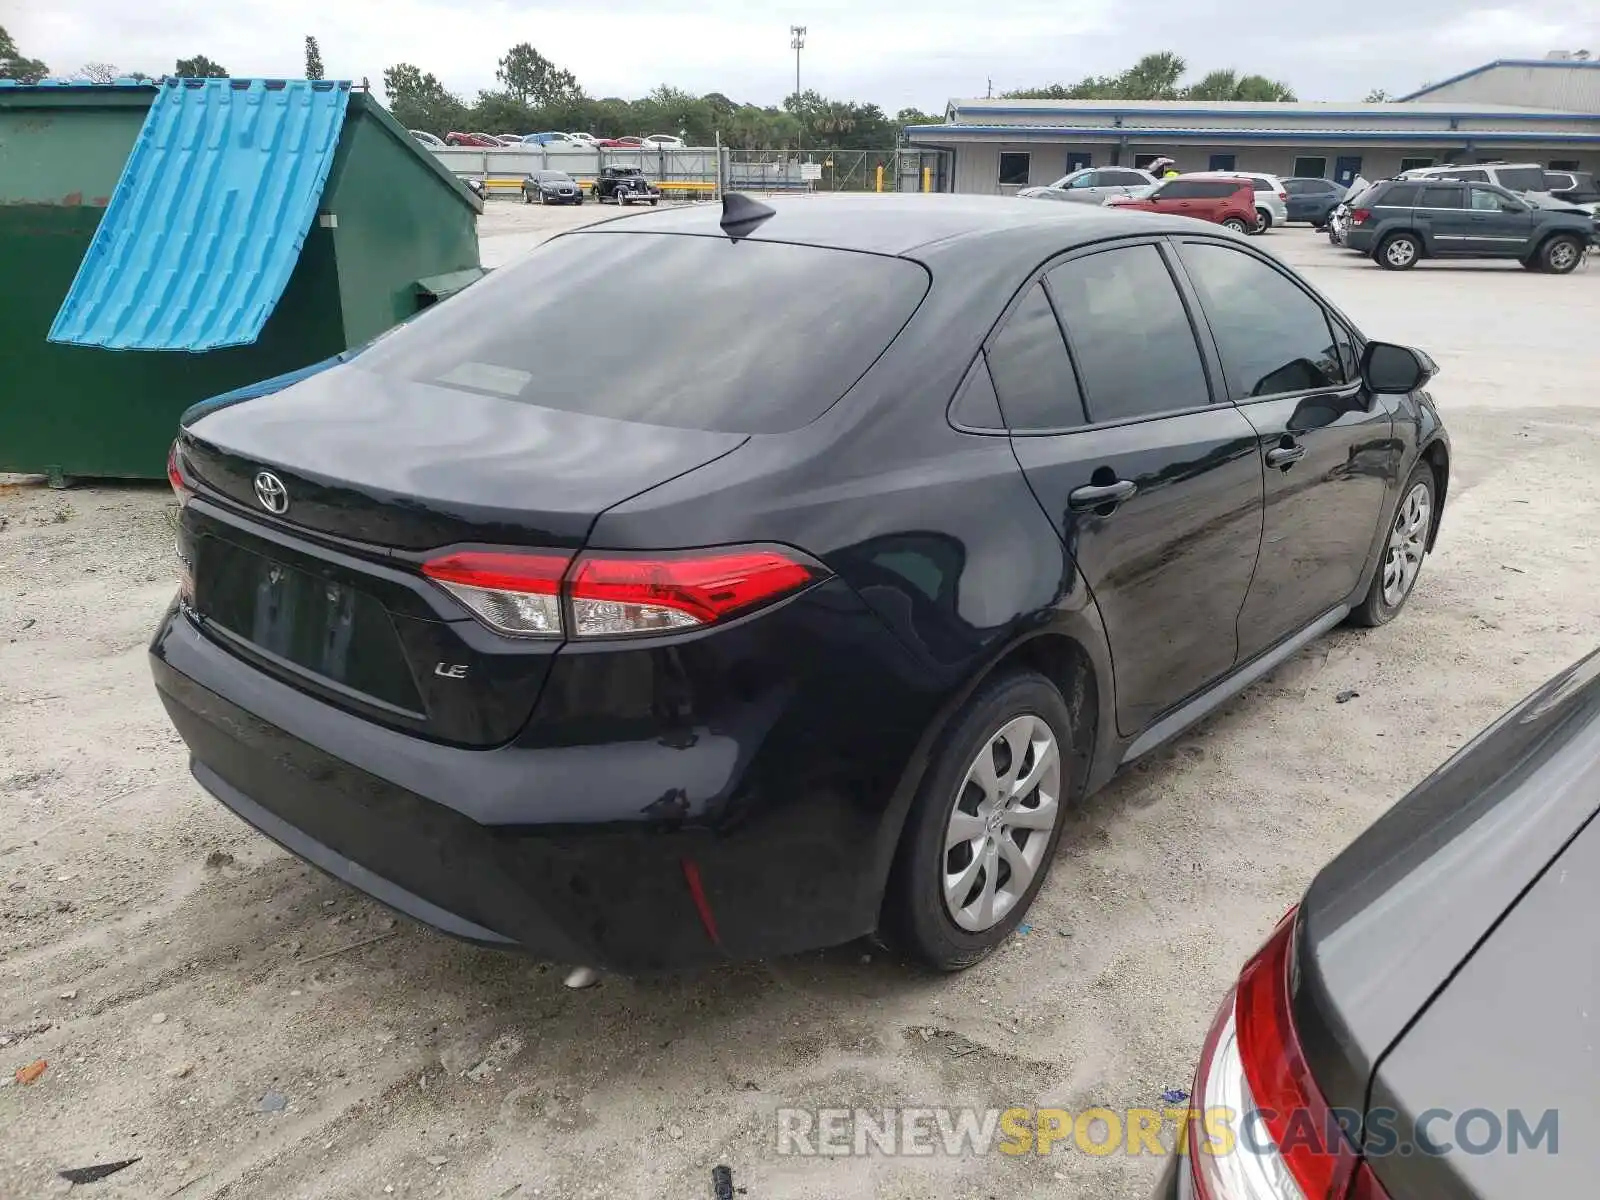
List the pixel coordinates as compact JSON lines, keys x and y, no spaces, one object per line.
{"x":705,"y":172}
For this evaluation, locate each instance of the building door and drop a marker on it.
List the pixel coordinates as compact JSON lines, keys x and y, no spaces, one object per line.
{"x":1345,"y":169}
{"x":1221,"y":162}
{"x":1078,"y":159}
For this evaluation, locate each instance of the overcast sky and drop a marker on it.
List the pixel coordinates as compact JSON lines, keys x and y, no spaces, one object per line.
{"x":894,"y":52}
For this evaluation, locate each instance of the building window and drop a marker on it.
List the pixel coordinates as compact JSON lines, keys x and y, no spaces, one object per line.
{"x":1221,"y":162}
{"x":1142,"y":161}
{"x":1014,"y":170}
{"x":1310,"y":167}
{"x":1563,"y":164}
{"x":1413,"y":164}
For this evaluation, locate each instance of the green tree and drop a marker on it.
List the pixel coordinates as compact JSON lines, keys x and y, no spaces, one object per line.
{"x":1261,"y":90}
{"x":1218,"y":85}
{"x":200,"y":67}
{"x":1377,"y":96}
{"x":533,"y":79}
{"x":97,"y":72}
{"x":915,"y":116}
{"x":419,"y":101}
{"x":1153,"y":77}
{"x":14,"y":66}
{"x":1157,"y":77}
{"x":313,"y":59}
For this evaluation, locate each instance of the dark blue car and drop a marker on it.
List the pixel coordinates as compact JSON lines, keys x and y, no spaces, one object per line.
{"x":1311,"y":198}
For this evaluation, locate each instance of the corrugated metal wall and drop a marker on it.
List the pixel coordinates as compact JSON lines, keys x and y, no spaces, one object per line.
{"x":1571,"y":87}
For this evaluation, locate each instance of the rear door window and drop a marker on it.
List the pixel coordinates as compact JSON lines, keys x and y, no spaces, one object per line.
{"x":1272,"y":336}
{"x":1440,"y":196}
{"x":663,"y":329}
{"x":1030,"y":368}
{"x":1181,"y":189}
{"x":1130,"y":334}
{"x":1217,"y":189}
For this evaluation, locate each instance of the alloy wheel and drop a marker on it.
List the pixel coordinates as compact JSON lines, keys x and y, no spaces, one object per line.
{"x":1562,"y":256}
{"x":1408,"y":542}
{"x":1400,"y":252}
{"x":1000,"y":826}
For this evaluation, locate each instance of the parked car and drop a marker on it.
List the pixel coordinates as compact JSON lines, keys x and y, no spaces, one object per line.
{"x":641,"y":660}
{"x":622,"y":143}
{"x":625,"y":185}
{"x":481,"y":140}
{"x":1573,"y":187}
{"x":665,"y":141}
{"x":1401,"y":221}
{"x":551,"y":187}
{"x":1271,"y":201}
{"x":1433,"y":974}
{"x":548,"y":138}
{"x":1311,"y":198}
{"x":587,"y":139}
{"x":426,"y":139}
{"x":1226,"y":202}
{"x":1514,"y":177}
{"x":1092,"y":185}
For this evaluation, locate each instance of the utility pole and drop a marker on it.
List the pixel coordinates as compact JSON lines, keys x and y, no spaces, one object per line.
{"x":990,"y":93}
{"x":797,"y":43}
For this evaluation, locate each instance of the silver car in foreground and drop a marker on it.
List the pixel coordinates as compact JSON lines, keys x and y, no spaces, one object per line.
{"x":1092,"y":185}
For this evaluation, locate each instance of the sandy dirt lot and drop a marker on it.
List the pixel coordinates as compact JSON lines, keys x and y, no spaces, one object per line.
{"x":246,"y":1027}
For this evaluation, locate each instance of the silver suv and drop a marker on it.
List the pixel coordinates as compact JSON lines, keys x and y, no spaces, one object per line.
{"x":1272,"y":199}
{"x":1093,"y":185}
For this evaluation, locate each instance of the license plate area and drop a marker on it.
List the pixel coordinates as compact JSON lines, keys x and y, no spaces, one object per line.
{"x":305,"y":622}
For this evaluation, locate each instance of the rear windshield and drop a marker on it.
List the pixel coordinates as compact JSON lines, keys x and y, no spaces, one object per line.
{"x":690,"y":332}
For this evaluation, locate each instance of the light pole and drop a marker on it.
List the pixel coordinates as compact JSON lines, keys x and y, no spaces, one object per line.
{"x":797,"y":43}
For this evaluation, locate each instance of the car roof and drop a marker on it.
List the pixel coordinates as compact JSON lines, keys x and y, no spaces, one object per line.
{"x":901,"y":223}
{"x":1229,"y":175}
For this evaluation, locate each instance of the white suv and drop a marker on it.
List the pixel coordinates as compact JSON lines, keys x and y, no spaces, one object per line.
{"x":1514,"y":177}
{"x":1272,"y":199}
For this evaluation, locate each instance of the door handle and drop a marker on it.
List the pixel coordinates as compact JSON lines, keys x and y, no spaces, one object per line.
{"x":1285,"y":455}
{"x":1098,"y":495}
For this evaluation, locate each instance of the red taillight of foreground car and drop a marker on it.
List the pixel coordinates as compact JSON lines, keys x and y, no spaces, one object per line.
{"x":1360,"y":216}
{"x":1285,"y":1142}
{"x":616,"y":594}
{"x":180,"y":488}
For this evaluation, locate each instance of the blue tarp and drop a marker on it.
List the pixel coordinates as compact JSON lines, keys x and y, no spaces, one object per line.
{"x":207,"y":221}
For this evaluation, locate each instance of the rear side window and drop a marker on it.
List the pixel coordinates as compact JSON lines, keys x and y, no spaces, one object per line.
{"x":1218,"y":189}
{"x":1475,"y":176}
{"x":1440,"y":197}
{"x":690,"y":332}
{"x":1520,"y":179}
{"x":1126,"y":179}
{"x":1272,"y":337}
{"x":1262,"y":185}
{"x":1401,"y":195}
{"x":1130,"y":334}
{"x":1030,"y":368}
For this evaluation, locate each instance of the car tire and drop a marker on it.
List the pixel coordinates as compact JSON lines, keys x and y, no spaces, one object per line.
{"x":526,"y":198}
{"x":1263,"y":221}
{"x":1560,"y":254}
{"x":654,"y":202}
{"x":1236,"y":224}
{"x":918,"y":918}
{"x":1398,"y":252}
{"x":1404,"y":550}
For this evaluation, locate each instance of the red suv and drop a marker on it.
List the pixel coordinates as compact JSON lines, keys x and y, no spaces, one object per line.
{"x":1228,"y":202}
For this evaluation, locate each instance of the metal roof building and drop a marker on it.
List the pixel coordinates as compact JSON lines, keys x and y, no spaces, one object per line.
{"x":1545,"y":111}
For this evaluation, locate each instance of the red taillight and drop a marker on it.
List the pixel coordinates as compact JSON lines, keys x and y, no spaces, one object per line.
{"x":1358,"y":216}
{"x":1254,"y":1068}
{"x":1283,"y":195}
{"x":614,"y":594}
{"x":175,"y":477}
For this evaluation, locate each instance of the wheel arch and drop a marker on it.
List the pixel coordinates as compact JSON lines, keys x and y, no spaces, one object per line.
{"x":1436,"y":453}
{"x":1078,"y":662}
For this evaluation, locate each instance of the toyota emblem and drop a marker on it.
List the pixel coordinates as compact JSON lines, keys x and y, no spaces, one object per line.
{"x":270,"y":491}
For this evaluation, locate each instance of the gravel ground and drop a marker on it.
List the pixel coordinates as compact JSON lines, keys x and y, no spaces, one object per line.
{"x":247,"y":1027}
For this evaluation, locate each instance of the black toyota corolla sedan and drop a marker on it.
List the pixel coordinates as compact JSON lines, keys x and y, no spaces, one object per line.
{"x":730,"y":581}
{"x":1422,"y":1026}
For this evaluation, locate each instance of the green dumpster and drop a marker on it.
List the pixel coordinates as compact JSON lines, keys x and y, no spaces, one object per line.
{"x":251,"y":227}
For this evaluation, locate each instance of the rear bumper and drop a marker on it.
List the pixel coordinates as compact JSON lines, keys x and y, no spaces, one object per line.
{"x":577,"y":853}
{"x":1359,"y":239}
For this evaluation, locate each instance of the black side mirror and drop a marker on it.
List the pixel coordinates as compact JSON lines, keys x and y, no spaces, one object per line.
{"x":1390,"y":370}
